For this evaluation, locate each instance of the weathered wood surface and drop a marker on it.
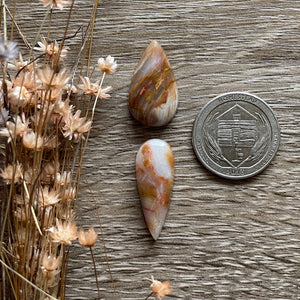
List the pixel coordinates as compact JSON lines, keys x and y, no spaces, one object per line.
{"x":222,"y":239}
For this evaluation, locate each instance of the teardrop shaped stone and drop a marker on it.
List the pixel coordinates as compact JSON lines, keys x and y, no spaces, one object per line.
{"x":155,"y":176}
{"x":153,"y":91}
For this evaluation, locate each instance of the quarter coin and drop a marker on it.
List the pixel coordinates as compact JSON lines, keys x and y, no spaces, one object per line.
{"x":236,"y":135}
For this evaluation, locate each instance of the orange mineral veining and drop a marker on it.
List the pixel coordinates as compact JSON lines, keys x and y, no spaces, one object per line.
{"x":153,"y":90}
{"x":154,"y":182}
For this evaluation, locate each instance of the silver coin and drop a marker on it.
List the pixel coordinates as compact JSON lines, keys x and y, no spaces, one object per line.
{"x":236,"y":135}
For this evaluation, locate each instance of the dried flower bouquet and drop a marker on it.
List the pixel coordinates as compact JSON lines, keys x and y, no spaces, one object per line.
{"x":46,"y":120}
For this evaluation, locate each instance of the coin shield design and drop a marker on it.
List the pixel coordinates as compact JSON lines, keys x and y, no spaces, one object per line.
{"x":236,"y":135}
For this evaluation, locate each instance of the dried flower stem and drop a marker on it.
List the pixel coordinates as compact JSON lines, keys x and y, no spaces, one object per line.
{"x":149,"y":296}
{"x":95,"y":270}
{"x":97,"y":97}
{"x":18,"y":28}
{"x":26,"y":280}
{"x":102,"y":238}
{"x":4,"y":34}
{"x":92,"y":32}
{"x":64,"y":271}
{"x":39,"y":30}
{"x":4,"y":22}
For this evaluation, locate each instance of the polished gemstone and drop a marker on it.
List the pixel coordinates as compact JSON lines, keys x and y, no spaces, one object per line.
{"x":155,"y":175}
{"x":153,"y":91}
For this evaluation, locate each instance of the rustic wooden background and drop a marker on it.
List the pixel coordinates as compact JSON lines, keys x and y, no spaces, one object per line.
{"x":222,"y":239}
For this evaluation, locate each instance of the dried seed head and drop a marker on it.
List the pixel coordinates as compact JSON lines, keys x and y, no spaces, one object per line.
{"x":21,"y":64}
{"x":50,"y":268}
{"x":29,"y":80}
{"x":21,"y":200}
{"x":107,"y":65}
{"x":12,"y":174}
{"x":19,"y":96}
{"x":62,"y":108}
{"x":48,"y":197}
{"x":102,"y":93}
{"x":50,"y":263}
{"x":56,"y":3}
{"x":88,"y":238}
{"x":22,"y":213}
{"x":32,"y":141}
{"x":64,"y":178}
{"x":53,"y":80}
{"x":20,"y":125}
{"x":64,"y":232}
{"x":51,"y":167}
{"x":16,"y":128}
{"x":49,"y":170}
{"x":160,"y":289}
{"x":93,"y":89}
{"x":75,"y":126}
{"x":51,"y":143}
{"x":71,"y":88}
{"x":52,"y":50}
{"x":69,"y":194}
{"x":29,"y":176}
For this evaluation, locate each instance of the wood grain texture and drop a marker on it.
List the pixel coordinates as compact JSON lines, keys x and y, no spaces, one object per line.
{"x":222,"y":239}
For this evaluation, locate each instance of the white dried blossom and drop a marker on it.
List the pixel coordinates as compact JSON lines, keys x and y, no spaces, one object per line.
{"x":107,"y":65}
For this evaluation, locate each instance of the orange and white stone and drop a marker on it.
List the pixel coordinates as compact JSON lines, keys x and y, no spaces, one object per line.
{"x":153,"y":91}
{"x":155,"y":176}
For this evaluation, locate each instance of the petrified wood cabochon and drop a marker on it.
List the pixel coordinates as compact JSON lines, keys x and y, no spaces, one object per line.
{"x":153,"y":91}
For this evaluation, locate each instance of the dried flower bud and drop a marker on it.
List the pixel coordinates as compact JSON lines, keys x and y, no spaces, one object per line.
{"x":21,"y":64}
{"x":55,"y":3}
{"x":29,"y":80}
{"x":107,"y":65}
{"x":51,"y":143}
{"x":64,"y":178}
{"x":75,"y":126}
{"x":52,"y":50}
{"x":64,"y":232}
{"x":93,"y":89}
{"x":48,"y":197}
{"x":51,"y":167}
{"x":32,"y":141}
{"x":48,"y":171}
{"x":69,"y":194}
{"x":50,"y":263}
{"x":69,"y":88}
{"x":18,"y":127}
{"x":29,"y":176}
{"x":22,"y":213}
{"x":19,"y":97}
{"x":21,"y":200}
{"x":87,"y":239}
{"x":12,"y":173}
{"x":53,"y":80}
{"x":160,"y":289}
